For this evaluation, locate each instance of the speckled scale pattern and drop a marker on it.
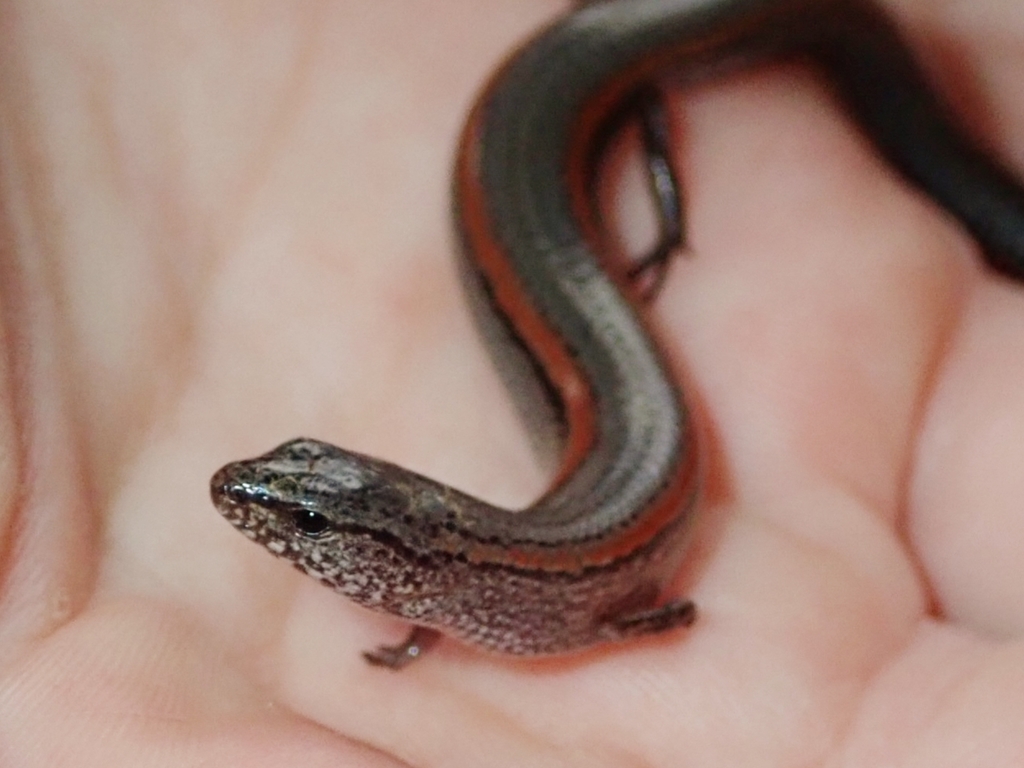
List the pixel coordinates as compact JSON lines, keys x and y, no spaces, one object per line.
{"x":373,"y":550}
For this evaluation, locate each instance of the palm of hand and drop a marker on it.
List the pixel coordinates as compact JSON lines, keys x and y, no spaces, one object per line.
{"x":217,"y":239}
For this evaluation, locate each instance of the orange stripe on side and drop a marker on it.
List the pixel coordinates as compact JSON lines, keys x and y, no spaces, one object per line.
{"x":679,"y":492}
{"x":542,"y":340}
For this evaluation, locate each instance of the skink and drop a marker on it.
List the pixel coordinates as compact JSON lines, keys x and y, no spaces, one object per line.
{"x":591,"y":559}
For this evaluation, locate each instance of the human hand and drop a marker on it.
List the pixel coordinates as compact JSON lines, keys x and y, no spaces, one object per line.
{"x":227,"y":226}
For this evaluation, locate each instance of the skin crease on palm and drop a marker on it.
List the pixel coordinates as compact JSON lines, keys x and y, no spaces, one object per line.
{"x":226,"y":225}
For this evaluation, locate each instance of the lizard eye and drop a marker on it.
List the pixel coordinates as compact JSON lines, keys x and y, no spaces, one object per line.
{"x":310,"y":523}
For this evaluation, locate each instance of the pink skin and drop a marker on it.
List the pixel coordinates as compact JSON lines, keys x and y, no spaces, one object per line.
{"x":228,"y":227}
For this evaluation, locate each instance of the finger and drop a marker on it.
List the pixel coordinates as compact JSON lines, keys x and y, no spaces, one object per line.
{"x":968,"y":483}
{"x":963,"y":505}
